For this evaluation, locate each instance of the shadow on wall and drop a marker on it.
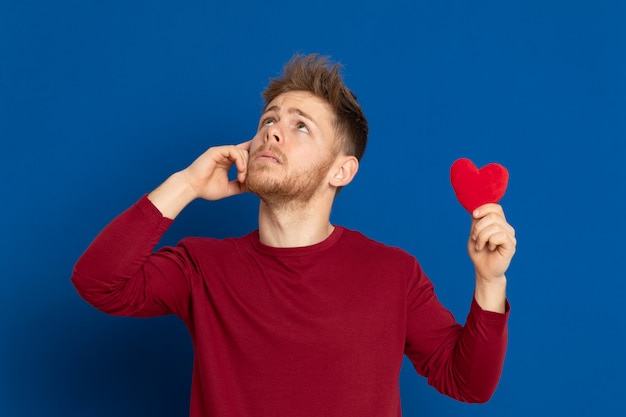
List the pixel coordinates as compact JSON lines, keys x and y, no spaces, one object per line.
{"x":76,"y":361}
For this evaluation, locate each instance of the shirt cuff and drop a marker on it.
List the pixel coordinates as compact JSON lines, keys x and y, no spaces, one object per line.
{"x":490,"y":316}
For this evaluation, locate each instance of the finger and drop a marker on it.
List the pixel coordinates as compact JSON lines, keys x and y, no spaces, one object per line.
{"x":502,"y":243}
{"x":245,"y":145}
{"x":237,"y":156}
{"x":490,"y":218}
{"x":494,"y":237}
{"x":491,"y":221}
{"x":489,"y":208}
{"x":242,"y":164}
{"x":497,"y":240}
{"x":235,"y":187}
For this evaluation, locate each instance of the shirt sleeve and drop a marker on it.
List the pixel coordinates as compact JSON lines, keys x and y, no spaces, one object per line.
{"x":120,"y":274}
{"x":463,"y":362}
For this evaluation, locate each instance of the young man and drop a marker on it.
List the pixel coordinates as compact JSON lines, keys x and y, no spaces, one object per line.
{"x":301,"y":317}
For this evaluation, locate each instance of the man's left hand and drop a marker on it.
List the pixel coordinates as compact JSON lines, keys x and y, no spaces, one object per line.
{"x":491,"y":244}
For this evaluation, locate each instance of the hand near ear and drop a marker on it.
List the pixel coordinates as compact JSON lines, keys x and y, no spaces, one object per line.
{"x":207,"y":178}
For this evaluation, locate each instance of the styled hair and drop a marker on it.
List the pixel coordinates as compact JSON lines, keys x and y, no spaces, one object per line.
{"x":316,"y":74}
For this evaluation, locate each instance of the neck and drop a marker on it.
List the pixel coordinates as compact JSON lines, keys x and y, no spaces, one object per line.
{"x":294,"y":224}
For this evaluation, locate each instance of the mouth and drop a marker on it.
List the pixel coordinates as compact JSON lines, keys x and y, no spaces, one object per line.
{"x":268,"y":156}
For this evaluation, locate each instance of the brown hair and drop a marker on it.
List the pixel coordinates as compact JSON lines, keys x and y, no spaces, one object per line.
{"x":316,"y":74}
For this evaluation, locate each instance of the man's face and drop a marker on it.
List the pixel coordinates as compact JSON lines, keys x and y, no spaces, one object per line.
{"x":293,"y":150}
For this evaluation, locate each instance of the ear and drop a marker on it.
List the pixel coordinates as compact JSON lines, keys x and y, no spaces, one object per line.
{"x":343,"y":171}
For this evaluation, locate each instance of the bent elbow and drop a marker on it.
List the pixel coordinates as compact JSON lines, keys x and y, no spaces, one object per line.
{"x":478,"y":394}
{"x":99,"y":294}
{"x":480,"y":398}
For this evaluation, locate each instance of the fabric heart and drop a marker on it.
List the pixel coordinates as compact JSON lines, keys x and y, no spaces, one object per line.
{"x":475,"y":187}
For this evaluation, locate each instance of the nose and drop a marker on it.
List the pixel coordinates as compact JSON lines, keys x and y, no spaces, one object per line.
{"x":273,"y":133}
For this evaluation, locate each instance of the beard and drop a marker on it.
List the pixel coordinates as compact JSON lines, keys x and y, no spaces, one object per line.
{"x":287,"y":189}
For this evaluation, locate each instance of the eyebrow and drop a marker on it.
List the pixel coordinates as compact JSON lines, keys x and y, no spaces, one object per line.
{"x":291,"y":110}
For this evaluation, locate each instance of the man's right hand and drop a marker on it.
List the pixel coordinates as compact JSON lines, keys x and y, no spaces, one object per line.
{"x":206,"y":177}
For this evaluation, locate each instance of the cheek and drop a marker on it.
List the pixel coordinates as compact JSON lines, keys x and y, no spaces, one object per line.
{"x":257,"y":142}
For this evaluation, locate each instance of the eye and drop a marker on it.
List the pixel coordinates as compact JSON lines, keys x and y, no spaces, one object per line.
{"x":268,"y":121}
{"x":301,"y":126}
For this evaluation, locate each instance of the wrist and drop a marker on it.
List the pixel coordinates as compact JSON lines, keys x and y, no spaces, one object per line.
{"x":491,"y":294}
{"x":173,"y":195}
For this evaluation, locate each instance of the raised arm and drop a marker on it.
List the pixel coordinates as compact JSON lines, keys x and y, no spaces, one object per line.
{"x":119,"y":273}
{"x":491,"y":247}
{"x":465,"y":362}
{"x":206,"y":177}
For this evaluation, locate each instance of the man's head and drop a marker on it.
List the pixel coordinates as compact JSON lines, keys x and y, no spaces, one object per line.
{"x":317,"y":75}
{"x":310,"y":137}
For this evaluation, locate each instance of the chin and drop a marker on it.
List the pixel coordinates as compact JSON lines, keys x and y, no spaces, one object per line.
{"x":259,"y":184}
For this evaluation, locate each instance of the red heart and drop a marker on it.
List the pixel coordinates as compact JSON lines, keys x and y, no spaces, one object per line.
{"x":475,"y":187}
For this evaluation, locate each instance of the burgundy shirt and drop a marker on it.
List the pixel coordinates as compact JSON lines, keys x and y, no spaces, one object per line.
{"x":309,"y":331}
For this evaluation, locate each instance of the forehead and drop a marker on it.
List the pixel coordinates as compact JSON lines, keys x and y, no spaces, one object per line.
{"x":305,"y":101}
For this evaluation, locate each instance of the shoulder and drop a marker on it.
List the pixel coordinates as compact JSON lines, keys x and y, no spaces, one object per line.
{"x":365,"y":246}
{"x":215,"y":245}
{"x":366,"y":257}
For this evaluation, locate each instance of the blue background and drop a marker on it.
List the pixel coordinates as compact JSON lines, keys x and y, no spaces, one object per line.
{"x":101,"y":101}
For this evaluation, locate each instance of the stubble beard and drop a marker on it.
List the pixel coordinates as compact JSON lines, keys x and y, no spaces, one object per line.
{"x":282,"y":192}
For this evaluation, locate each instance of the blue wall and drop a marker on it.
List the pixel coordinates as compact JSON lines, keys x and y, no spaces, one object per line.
{"x":101,"y":101}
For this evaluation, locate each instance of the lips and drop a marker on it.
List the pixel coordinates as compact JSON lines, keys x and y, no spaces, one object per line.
{"x":268,"y":156}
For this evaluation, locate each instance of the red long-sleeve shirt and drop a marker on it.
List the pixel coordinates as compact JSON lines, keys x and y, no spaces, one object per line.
{"x":310,"y":331}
